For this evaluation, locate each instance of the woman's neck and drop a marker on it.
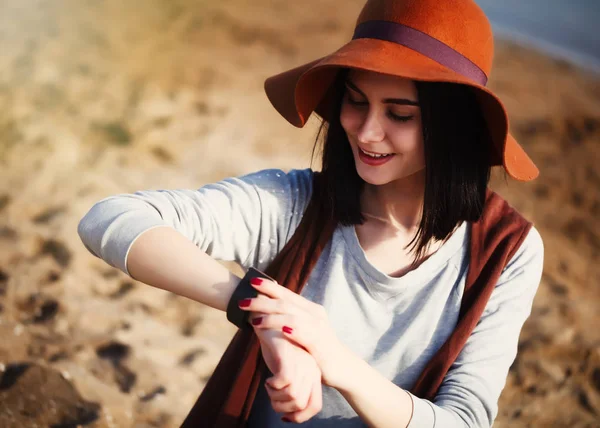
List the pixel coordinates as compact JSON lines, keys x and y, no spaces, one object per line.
{"x":398,"y":203}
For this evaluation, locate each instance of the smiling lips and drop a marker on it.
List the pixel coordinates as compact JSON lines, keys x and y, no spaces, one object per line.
{"x":374,"y":159}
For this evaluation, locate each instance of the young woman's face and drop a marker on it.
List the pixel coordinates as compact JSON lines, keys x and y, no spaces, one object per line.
{"x":381,"y":116}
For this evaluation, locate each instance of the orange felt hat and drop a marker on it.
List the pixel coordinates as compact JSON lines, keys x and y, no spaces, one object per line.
{"x":426,"y":40}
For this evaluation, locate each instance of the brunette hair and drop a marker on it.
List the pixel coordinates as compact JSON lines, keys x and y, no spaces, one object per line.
{"x":457,"y":147}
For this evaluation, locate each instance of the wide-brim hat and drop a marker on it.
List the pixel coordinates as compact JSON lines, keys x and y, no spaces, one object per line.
{"x":424,"y":40}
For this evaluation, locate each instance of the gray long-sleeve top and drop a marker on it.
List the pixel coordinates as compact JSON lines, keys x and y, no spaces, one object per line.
{"x":395,"y":324}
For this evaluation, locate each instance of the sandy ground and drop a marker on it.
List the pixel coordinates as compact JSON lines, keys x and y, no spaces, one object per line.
{"x":100,"y":98}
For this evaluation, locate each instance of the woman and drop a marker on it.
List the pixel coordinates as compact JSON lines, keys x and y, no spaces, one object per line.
{"x":411,"y":135}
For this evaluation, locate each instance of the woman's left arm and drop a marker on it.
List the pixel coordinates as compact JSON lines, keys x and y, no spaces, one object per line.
{"x":468,"y":396}
{"x":375,"y":399}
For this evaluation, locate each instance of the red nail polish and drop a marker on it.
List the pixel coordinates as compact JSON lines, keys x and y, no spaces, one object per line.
{"x":287,"y":329}
{"x":256,"y":281}
{"x":286,"y":420}
{"x":245,"y":303}
{"x":257,"y":321}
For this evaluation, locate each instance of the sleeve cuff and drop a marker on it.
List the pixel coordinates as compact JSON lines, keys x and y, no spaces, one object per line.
{"x":423,"y":415}
{"x":116,"y":249}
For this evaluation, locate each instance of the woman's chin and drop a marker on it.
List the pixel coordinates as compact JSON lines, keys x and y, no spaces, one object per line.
{"x":383,"y":174}
{"x":374,"y":176}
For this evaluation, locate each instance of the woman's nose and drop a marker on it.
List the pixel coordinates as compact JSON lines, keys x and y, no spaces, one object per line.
{"x":371,"y":129}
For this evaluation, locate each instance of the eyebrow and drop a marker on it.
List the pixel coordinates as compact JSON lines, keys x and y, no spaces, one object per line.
{"x":402,"y":101}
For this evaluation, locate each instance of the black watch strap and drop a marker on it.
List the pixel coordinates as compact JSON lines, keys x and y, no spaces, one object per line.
{"x":244,"y":290}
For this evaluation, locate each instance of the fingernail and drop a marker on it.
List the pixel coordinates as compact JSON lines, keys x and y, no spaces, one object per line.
{"x":286,"y":420}
{"x":257,"y":321}
{"x":256,"y":281}
{"x":287,"y":329}
{"x":245,"y":303}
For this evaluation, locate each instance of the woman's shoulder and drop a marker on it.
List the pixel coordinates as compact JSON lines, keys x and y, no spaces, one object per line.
{"x":281,"y":199}
{"x":529,"y":257}
{"x":278,"y":177}
{"x":294,"y":186}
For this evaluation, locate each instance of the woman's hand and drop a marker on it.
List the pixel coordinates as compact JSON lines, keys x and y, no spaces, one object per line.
{"x":302,"y":322}
{"x":295,"y":387}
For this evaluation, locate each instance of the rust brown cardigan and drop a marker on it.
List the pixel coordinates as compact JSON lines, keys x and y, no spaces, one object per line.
{"x":227,"y":398}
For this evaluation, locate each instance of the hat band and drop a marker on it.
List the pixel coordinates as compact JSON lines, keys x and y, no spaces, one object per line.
{"x":424,"y":44}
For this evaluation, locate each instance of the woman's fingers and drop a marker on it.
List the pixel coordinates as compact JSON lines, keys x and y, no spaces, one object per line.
{"x":292,"y":398}
{"x":294,"y":328}
{"x":268,"y":305}
{"x":272,"y":321}
{"x":314,"y":405}
{"x":277,"y":291}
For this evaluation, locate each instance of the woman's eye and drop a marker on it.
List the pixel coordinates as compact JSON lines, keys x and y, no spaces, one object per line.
{"x":355,"y":102}
{"x":399,"y":118}
{"x":390,"y":114}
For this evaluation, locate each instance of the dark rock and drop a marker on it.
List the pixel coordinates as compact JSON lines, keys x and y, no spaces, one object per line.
{"x":563,"y":267}
{"x":38,"y":308}
{"x":124,"y":377}
{"x":584,"y":400}
{"x":34,"y":395}
{"x":46,"y":311}
{"x":163,"y":155}
{"x":116,"y":133}
{"x":110,"y":273}
{"x":189,"y":358}
{"x":592,"y":176}
{"x":4,"y":201}
{"x":533,"y":127}
{"x":161,"y":122}
{"x":125,"y":325}
{"x":574,"y":135}
{"x":190,"y":325}
{"x":11,"y":374}
{"x":58,"y":251}
{"x":577,"y":199}
{"x":558,"y":289}
{"x":53,"y":276}
{"x":591,"y":124}
{"x":113,"y":351}
{"x":158,"y":390}
{"x":48,"y":215}
{"x":202,"y":108}
{"x":577,"y":229}
{"x":58,"y":356}
{"x":124,"y":288}
{"x":542,"y":191}
{"x":3,"y":282}
{"x":8,"y":233}
{"x":534,"y":341}
{"x":596,"y":378}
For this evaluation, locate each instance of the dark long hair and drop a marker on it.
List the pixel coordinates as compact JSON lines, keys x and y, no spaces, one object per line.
{"x":457,"y":147}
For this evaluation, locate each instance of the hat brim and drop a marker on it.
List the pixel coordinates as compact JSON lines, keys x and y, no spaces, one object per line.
{"x":299,"y":92}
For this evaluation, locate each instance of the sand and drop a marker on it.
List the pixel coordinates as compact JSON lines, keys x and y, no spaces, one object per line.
{"x":102,"y":98}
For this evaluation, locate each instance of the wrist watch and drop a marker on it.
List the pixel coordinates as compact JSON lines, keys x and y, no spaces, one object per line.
{"x":244,"y":290}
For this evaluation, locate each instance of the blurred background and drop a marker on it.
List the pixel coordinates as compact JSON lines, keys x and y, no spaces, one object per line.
{"x":101,"y":97}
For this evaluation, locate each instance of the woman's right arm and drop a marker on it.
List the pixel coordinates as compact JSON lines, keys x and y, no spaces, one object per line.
{"x":172,"y":239}
{"x":164,"y":258}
